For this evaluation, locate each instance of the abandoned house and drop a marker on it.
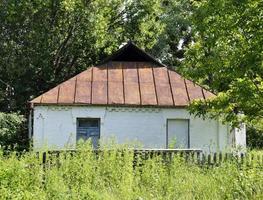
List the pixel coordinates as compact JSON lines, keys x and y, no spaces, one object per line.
{"x":130,"y":97}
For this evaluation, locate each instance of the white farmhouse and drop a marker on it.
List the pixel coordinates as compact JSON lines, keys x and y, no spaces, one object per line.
{"x":133,"y":98}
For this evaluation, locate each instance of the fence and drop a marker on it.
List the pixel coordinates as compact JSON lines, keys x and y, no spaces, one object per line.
{"x":194,"y":156}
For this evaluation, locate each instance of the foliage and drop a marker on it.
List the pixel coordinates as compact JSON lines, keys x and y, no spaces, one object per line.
{"x":11,"y":125}
{"x":112,"y":174}
{"x":177,"y":34}
{"x":42,"y":43}
{"x":254,"y":137}
{"x":172,"y":144}
{"x":227,"y":57}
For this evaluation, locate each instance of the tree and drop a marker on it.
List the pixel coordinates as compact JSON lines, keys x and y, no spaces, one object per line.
{"x":43,"y":43}
{"x":177,"y":35}
{"x":227,"y":57}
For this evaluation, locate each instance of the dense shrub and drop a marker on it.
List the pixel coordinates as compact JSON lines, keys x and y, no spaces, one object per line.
{"x":255,"y":137}
{"x":112,"y":174}
{"x":11,"y":130}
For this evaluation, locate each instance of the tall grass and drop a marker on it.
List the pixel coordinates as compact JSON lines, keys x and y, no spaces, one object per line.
{"x":113,"y":174}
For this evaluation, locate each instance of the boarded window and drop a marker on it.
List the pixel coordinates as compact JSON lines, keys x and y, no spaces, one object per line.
{"x":178,"y":133}
{"x":88,"y":128}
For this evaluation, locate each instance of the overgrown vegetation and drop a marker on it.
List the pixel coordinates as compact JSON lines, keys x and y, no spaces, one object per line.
{"x":113,"y":174}
{"x":11,"y":131}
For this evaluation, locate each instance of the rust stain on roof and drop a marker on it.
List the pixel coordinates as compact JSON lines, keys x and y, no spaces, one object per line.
{"x":125,"y":83}
{"x":51,"y":96}
{"x":179,"y":91}
{"x":115,"y":84}
{"x":131,"y":84}
{"x":83,"y":87}
{"x":163,"y":87}
{"x":147,"y":85}
{"x":194,"y":91}
{"x":207,"y":94}
{"x":67,"y":91}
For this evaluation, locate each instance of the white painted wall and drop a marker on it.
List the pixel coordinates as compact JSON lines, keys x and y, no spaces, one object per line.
{"x":240,"y":136}
{"x":55,"y":126}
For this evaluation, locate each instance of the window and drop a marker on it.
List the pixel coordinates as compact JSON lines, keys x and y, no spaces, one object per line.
{"x":88,"y":128}
{"x":178,"y":130}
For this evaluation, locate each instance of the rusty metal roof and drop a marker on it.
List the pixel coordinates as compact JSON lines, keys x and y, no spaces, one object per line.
{"x":125,"y":83}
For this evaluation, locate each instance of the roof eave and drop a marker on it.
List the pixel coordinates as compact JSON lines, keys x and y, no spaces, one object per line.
{"x":109,"y":105}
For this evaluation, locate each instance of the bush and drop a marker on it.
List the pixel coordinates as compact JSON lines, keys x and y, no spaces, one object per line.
{"x":255,"y":137}
{"x":112,"y":174}
{"x":11,"y":127}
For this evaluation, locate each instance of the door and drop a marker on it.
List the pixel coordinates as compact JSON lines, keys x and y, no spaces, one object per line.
{"x":88,"y":128}
{"x":178,"y":133}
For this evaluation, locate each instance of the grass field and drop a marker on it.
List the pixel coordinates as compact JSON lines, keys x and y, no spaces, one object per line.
{"x":114,"y":175}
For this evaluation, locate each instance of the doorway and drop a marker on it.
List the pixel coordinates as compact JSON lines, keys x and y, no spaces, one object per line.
{"x":178,"y":133}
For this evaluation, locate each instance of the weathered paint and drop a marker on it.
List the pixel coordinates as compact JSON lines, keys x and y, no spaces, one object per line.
{"x":55,"y":126}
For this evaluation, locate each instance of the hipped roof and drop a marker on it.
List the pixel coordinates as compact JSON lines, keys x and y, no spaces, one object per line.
{"x":130,"y":77}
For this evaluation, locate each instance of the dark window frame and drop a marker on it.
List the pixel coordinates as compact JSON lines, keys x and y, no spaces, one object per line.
{"x":87,"y":118}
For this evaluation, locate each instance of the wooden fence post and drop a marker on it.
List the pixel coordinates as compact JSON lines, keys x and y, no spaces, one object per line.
{"x":220,"y":157}
{"x":209,"y":159}
{"x":44,"y":158}
{"x":215,"y":158}
{"x":198,"y":158}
